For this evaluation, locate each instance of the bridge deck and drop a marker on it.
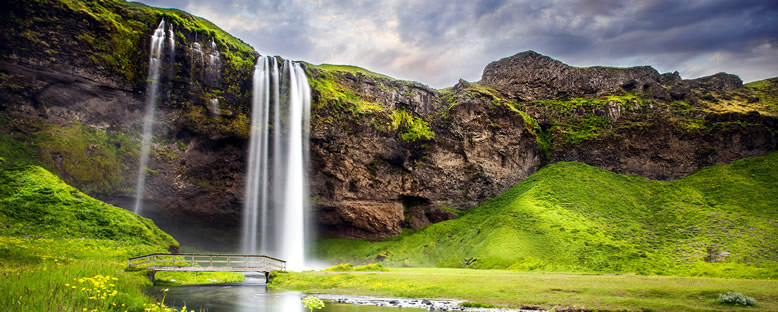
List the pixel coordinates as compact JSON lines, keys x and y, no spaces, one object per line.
{"x":207,"y":263}
{"x":206,"y":269}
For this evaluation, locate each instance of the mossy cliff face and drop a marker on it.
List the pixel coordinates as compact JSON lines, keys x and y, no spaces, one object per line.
{"x":529,"y":110}
{"x":72,"y":85}
{"x":385,"y":154}
{"x":635,"y":120}
{"x":388,"y":154}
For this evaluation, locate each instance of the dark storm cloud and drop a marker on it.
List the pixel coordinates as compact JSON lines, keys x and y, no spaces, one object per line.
{"x":730,"y":25}
{"x":611,"y":33}
{"x":437,"y":42}
{"x":593,"y":7}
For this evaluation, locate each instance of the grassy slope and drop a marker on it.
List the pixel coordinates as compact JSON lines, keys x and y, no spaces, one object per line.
{"x":51,"y":235}
{"x":33,"y":201}
{"x":767,"y":92}
{"x":574,"y":217}
{"x":349,"y":69}
{"x":548,"y":290}
{"x":36,"y":202}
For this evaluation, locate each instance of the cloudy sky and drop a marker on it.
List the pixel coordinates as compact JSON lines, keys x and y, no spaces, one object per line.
{"x":438,"y":42}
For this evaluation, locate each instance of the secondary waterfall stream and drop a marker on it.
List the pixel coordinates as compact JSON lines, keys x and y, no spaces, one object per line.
{"x":155,"y":59}
{"x":274,"y":209}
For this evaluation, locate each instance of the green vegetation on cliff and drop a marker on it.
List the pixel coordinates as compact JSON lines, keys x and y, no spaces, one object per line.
{"x":570,"y":216}
{"x":767,"y":92}
{"x":582,"y":119}
{"x":98,"y":161}
{"x":340,"y":98}
{"x":107,"y":42}
{"x":411,"y":128}
{"x":13,"y":153}
{"x":330,"y":90}
{"x":349,"y":69}
{"x":117,"y":32}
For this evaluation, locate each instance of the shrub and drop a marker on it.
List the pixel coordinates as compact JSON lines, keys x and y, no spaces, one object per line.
{"x":411,"y":128}
{"x":375,"y":267}
{"x":312,"y":303}
{"x":468,"y":304}
{"x":345,"y":267}
{"x":736,"y":298}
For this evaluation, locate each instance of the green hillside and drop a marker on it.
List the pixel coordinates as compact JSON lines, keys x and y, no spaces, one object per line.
{"x":33,"y":201}
{"x":36,"y":202}
{"x":767,"y":92}
{"x":574,"y":217}
{"x":61,"y":250}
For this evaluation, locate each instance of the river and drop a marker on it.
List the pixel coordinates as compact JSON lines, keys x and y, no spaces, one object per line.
{"x":252,"y":295}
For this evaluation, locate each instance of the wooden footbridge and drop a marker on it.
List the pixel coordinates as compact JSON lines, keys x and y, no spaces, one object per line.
{"x":206,"y":263}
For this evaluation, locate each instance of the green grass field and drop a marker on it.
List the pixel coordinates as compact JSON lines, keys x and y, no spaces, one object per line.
{"x":548,"y":290}
{"x":574,"y":217}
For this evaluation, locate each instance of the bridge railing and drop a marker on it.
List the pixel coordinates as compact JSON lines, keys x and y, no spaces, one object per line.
{"x":207,"y":262}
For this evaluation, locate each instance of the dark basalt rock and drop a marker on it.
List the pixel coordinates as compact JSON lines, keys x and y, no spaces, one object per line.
{"x":530,"y":76}
{"x":718,"y":82}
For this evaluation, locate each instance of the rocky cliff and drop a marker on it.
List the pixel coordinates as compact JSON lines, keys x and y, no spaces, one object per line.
{"x":635,"y":120}
{"x":73,"y":82}
{"x":527,"y":111}
{"x":385,"y":154}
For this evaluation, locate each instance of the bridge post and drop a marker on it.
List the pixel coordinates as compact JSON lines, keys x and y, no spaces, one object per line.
{"x":151,"y":276}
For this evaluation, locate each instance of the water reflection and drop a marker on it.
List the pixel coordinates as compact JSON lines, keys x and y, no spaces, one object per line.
{"x":236,"y":298}
{"x":252,"y":295}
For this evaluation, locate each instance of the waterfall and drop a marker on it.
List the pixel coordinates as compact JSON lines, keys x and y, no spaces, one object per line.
{"x":275,"y":203}
{"x":214,"y":55}
{"x":155,"y":58}
{"x":171,"y":43}
{"x":213,"y":106}
{"x":293,"y":232}
{"x":199,"y":51}
{"x":256,"y":177}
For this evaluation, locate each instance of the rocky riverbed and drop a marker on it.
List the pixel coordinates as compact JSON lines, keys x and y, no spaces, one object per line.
{"x":427,"y":304}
